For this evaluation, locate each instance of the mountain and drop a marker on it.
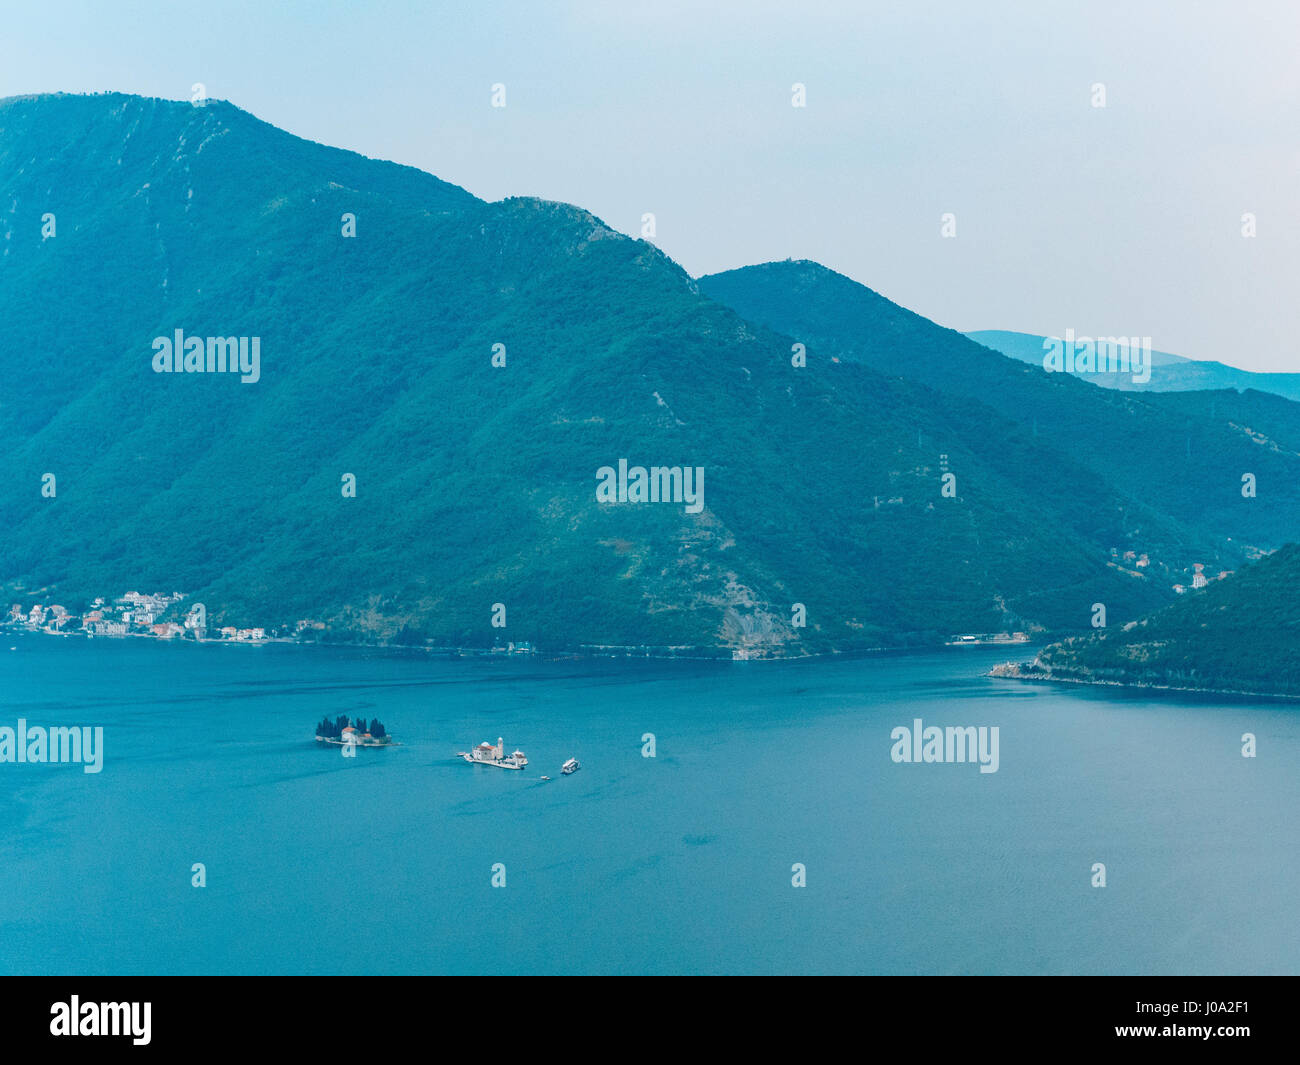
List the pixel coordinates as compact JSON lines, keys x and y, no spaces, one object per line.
{"x":1183,"y":455}
{"x":1241,"y":634}
{"x":1169,"y":373}
{"x":476,"y":485}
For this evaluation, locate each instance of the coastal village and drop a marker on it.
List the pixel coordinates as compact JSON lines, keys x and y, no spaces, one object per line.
{"x":162,"y":616}
{"x":1140,"y":564}
{"x":134,"y":614}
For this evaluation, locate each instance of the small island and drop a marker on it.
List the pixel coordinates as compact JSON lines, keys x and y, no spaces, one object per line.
{"x":343,"y":733}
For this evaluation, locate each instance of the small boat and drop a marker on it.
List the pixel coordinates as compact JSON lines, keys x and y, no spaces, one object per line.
{"x":571,"y":766}
{"x":546,"y":778}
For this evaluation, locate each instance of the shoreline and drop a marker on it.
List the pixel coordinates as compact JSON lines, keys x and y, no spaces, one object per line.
{"x":722,"y":654}
{"x":1136,"y":685}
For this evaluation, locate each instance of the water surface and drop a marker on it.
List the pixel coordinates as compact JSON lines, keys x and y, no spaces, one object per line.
{"x":383,"y":863}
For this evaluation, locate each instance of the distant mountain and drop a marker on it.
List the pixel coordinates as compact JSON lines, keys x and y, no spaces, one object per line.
{"x":1169,"y":373}
{"x":1183,"y":455}
{"x":919,"y":487}
{"x":1240,"y":634}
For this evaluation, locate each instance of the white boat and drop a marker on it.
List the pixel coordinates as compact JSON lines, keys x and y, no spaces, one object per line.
{"x":571,"y":766}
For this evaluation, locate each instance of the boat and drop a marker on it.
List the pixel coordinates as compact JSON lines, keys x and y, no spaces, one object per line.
{"x":546,"y":778}
{"x":494,"y":754}
{"x":571,"y":766}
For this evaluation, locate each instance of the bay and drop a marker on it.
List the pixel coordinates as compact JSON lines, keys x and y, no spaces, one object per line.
{"x":680,"y":863}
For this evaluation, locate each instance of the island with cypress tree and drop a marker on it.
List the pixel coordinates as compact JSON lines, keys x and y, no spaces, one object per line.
{"x":345,"y":733}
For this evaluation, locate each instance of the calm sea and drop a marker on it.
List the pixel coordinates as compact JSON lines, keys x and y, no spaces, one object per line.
{"x":680,"y":863}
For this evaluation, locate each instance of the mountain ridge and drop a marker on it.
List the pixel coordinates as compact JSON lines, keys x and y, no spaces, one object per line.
{"x":1168,"y":372}
{"x":475,"y":484}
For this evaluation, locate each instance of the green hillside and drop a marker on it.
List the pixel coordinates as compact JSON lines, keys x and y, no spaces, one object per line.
{"x":1156,"y":447}
{"x":475,"y":484}
{"x":1241,"y":634}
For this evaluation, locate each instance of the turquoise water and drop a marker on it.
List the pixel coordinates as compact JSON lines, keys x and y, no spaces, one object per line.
{"x":383,"y":863}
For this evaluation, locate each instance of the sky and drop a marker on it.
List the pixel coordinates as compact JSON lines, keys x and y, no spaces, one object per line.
{"x":1122,"y":220}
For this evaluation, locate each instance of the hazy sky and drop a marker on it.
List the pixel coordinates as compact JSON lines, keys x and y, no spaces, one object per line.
{"x":1122,"y":220}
